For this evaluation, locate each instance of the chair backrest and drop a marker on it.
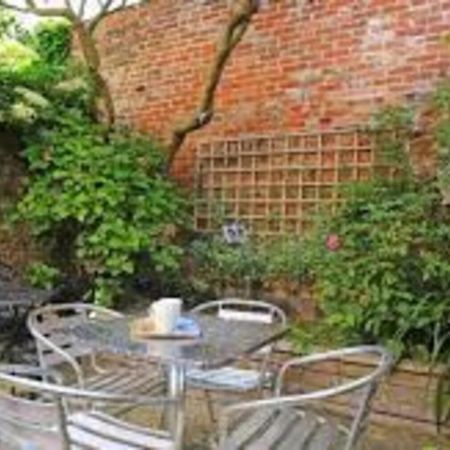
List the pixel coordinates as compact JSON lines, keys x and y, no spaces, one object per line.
{"x":55,"y":345}
{"x":40,"y":421}
{"x":346,"y":391}
{"x":243,"y":310}
{"x":28,"y":421}
{"x":246,"y":311}
{"x":313,"y":419}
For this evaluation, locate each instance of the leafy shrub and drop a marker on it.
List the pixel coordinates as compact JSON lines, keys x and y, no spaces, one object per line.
{"x":287,"y":258}
{"x":97,"y":198}
{"x":441,"y":102}
{"x":219,"y":265}
{"x":389,"y":280}
{"x":393,"y":128}
{"x":105,"y":194}
{"x":10,"y":28}
{"x":42,"y":275}
{"x":16,"y":57}
{"x":246,"y":267}
{"x":32,"y":66}
{"x":51,"y":39}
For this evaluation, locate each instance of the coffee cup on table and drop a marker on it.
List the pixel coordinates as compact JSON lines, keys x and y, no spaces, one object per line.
{"x":165,"y":313}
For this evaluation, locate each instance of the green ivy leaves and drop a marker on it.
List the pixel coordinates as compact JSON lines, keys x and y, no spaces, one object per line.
{"x":108,"y":186}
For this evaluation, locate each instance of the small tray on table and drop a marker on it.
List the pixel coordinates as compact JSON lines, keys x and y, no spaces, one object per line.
{"x":145,"y":329}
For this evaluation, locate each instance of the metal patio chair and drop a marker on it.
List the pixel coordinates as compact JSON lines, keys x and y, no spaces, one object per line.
{"x":234,"y":378}
{"x":39,"y":415}
{"x":87,"y":369}
{"x":307,"y":420}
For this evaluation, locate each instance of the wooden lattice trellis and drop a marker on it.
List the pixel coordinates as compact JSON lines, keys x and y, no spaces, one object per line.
{"x":275,"y":184}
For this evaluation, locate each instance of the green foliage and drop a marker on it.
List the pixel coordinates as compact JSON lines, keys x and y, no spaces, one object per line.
{"x":16,"y":57}
{"x":286,"y":258}
{"x":108,"y":191}
{"x":389,"y":280}
{"x":10,"y":28}
{"x":218,"y":264}
{"x":97,"y":198}
{"x":51,"y":40}
{"x":248,"y":266}
{"x":393,"y":127}
{"x":32,"y":68}
{"x":441,"y":101}
{"x":42,"y":275}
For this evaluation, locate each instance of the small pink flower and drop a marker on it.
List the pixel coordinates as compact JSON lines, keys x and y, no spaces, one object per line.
{"x":333,"y":242}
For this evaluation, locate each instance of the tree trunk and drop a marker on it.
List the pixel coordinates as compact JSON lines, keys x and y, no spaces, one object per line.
{"x":104,"y":102}
{"x":241,"y":15}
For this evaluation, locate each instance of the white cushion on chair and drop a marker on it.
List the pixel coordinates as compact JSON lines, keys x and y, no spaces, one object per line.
{"x":244,"y":316}
{"x":225,"y":378}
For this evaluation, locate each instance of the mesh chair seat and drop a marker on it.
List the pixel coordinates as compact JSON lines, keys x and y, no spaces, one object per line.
{"x":307,"y":420}
{"x":96,"y":430}
{"x":58,"y":348}
{"x":126,"y":381}
{"x":285,"y":429}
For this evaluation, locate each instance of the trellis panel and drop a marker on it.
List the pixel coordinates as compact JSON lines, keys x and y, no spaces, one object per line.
{"x":275,"y":184}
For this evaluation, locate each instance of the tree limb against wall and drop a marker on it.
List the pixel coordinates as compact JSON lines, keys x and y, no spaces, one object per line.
{"x":86,"y":15}
{"x":241,"y":13}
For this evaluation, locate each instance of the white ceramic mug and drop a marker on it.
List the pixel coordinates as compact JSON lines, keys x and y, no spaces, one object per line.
{"x":165,"y":313}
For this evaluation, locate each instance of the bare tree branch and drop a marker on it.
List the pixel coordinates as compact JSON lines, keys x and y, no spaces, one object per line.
{"x":46,"y":12}
{"x":30,"y":7}
{"x":69,"y":8}
{"x":104,"y":10}
{"x":14,"y":7}
{"x":82,"y":9}
{"x":242,"y":12}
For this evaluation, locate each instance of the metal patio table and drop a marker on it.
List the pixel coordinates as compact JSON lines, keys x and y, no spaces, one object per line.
{"x":222,"y":342}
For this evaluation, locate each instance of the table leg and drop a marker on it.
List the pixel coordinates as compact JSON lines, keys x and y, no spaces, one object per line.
{"x":177,"y":388}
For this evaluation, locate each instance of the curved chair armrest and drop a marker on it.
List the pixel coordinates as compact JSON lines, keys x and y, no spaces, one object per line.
{"x":81,"y":307}
{"x":299,"y":399}
{"x":44,"y":374}
{"x":16,"y":375}
{"x":384,"y":364}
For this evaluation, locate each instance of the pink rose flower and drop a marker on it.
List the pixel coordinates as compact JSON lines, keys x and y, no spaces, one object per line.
{"x":333,"y":242}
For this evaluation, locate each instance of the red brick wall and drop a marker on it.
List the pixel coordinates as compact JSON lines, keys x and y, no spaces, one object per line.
{"x":326,"y":63}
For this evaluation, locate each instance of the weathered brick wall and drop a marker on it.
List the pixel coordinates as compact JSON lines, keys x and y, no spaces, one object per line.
{"x":302,"y":65}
